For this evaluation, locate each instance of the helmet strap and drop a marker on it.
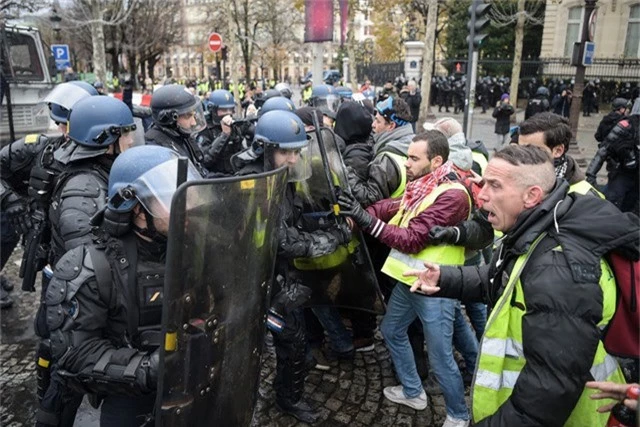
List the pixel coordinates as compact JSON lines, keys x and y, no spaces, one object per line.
{"x":150,"y":232}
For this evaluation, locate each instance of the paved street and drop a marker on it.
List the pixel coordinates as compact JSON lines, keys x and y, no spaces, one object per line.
{"x":350,"y":393}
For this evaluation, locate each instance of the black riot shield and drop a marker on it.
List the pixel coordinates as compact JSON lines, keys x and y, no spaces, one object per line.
{"x":345,"y":278}
{"x":220,"y":262}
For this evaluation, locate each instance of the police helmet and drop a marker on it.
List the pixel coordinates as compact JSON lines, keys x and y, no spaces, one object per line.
{"x":282,"y":129}
{"x":146,"y":174}
{"x":344,"y":92}
{"x":277,"y":103}
{"x":265,"y":96}
{"x":620,"y":103}
{"x":221,"y":98}
{"x":98,"y":121}
{"x":64,"y":96}
{"x":542,"y":91}
{"x":325,"y":97}
{"x":171,"y":101}
{"x":284,"y":90}
{"x":98,"y":85}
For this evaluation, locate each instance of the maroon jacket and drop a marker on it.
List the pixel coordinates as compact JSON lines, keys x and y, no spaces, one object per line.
{"x":448,"y":209}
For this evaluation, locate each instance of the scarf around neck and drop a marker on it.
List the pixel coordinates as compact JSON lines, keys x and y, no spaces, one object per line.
{"x":416,"y":190}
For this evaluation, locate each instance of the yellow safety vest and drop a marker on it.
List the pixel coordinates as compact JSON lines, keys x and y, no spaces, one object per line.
{"x":399,"y":161}
{"x":501,"y":356}
{"x":398,"y":262}
{"x":481,"y":160}
{"x":306,"y":94}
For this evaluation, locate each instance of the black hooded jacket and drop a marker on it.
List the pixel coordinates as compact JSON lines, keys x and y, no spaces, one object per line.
{"x":564,"y":301}
{"x":353,"y":125}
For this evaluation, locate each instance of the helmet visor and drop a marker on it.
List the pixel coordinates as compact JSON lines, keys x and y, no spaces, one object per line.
{"x":155,"y":188}
{"x":65,"y":95}
{"x":297,"y":160}
{"x":331,"y":102}
{"x":191,"y":120}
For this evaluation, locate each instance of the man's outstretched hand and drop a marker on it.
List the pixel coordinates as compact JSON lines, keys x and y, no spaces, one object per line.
{"x":427,"y":282}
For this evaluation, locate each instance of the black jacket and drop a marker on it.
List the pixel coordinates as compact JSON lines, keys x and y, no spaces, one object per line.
{"x":607,"y":124}
{"x":502,"y":113}
{"x":563,"y":299}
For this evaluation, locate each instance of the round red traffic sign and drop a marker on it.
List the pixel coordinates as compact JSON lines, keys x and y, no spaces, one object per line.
{"x":592,"y":24}
{"x":215,"y":42}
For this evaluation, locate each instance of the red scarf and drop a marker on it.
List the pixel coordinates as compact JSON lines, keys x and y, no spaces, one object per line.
{"x":417,"y":190}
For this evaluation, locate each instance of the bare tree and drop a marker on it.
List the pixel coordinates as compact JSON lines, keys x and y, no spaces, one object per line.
{"x":505,"y":13}
{"x":427,"y":60}
{"x":151,"y":28}
{"x":279,"y":18}
{"x":95,"y":14}
{"x":245,"y":21}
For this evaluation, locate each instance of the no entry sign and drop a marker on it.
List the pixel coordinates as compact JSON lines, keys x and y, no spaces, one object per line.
{"x":215,"y":42}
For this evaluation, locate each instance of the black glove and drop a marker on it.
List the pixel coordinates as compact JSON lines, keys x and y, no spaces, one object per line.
{"x":444,"y":235}
{"x":351,"y":207}
{"x":591,"y":179}
{"x":17,"y":213}
{"x":291,"y":296}
{"x":342,"y":233}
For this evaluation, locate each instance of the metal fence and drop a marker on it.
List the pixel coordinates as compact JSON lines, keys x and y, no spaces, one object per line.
{"x":379,"y":73}
{"x":627,"y":70}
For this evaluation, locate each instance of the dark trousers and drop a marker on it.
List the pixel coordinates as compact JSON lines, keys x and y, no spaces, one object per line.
{"x":622,"y":190}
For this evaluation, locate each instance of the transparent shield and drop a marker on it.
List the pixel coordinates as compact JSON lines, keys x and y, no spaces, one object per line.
{"x":297,"y":160}
{"x":345,"y":278}
{"x":65,"y":95}
{"x":220,"y":262}
{"x":192,"y":120}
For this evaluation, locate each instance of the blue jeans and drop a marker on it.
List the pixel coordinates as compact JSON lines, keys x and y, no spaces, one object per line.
{"x":437,"y":316}
{"x":339,"y":337}
{"x":477,"y":312}
{"x":464,"y":340}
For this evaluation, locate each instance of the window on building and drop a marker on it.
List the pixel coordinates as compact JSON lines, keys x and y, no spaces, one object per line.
{"x":574,"y":24}
{"x":632,"y":44}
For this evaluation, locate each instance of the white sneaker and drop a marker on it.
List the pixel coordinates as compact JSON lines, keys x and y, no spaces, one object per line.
{"x":396,"y":395}
{"x":455,"y":422}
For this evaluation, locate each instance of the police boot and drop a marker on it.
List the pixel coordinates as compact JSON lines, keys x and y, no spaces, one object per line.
{"x":299,"y":410}
{"x":5,"y":299}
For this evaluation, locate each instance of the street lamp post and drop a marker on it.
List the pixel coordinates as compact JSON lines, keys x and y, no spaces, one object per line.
{"x":55,"y":26}
{"x":576,"y":100}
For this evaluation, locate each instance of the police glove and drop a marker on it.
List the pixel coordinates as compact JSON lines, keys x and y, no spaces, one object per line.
{"x":342,"y":233}
{"x":591,"y":179}
{"x":292,"y":295}
{"x":444,"y":235}
{"x":351,"y":207}
{"x":17,"y":213}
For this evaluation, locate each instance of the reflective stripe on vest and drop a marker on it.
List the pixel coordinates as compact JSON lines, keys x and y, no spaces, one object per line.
{"x":501,"y":356}
{"x":399,"y":161}
{"x":398,"y":262}
{"x":481,"y":160}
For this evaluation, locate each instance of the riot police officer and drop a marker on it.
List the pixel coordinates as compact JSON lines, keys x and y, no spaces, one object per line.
{"x":104,"y":340}
{"x":620,"y":150}
{"x":539,"y":103}
{"x":177,"y":117}
{"x":69,"y":188}
{"x":281,"y":139}
{"x":218,"y":142}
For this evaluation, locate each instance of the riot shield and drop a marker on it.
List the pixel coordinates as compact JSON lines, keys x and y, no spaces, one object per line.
{"x":220,"y":262}
{"x":345,"y":278}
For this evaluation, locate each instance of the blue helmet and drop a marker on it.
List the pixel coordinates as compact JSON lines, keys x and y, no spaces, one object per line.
{"x":146,"y":174}
{"x":326,"y":98}
{"x":98,"y":121}
{"x":282,"y":129}
{"x":64,"y":96}
{"x":277,"y":103}
{"x":344,"y":92}
{"x":221,"y":98}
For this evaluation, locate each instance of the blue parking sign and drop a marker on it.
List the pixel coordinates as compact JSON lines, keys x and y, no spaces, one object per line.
{"x":589,"y":51}
{"x":61,"y":55}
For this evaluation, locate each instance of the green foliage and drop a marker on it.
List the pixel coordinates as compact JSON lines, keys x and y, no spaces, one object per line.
{"x":499,"y":41}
